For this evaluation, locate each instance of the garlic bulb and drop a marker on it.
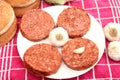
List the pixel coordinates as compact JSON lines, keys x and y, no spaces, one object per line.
{"x":58,"y":36}
{"x":114,"y":50}
{"x":61,"y":2}
{"x":112,"y":31}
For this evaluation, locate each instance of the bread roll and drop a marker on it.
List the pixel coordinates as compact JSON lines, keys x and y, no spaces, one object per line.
{"x":21,"y":6}
{"x":7,"y":23}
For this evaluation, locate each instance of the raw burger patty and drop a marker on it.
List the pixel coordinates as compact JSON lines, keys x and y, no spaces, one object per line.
{"x":75,"y":20}
{"x":36,"y":24}
{"x":80,"y":61}
{"x":42,"y":59}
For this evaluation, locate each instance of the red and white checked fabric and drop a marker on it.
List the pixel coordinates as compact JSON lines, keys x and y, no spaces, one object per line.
{"x":105,"y":11}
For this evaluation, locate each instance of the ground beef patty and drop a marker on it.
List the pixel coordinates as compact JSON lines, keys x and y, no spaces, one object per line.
{"x":75,"y":20}
{"x":80,"y":61}
{"x":36,"y":24}
{"x":42,"y":59}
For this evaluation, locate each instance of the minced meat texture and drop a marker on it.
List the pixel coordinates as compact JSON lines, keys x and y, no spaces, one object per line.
{"x":75,"y":20}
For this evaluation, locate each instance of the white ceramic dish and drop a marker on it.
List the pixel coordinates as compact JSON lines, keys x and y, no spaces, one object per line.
{"x":95,"y":34}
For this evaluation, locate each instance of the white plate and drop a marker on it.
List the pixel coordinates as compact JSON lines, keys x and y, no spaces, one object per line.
{"x":95,"y":34}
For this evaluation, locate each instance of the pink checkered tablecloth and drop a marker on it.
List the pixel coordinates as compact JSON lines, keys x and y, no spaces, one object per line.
{"x":105,"y":11}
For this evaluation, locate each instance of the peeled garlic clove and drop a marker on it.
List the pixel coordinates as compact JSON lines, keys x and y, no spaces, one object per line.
{"x":58,"y":36}
{"x":112,"y":31}
{"x":79,"y":50}
{"x":114,"y":50}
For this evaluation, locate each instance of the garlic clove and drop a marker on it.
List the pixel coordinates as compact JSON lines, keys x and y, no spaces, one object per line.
{"x":79,"y":50}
